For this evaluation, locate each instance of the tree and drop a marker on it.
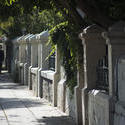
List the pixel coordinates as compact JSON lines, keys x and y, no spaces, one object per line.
{"x":77,"y":14}
{"x":101,"y":12}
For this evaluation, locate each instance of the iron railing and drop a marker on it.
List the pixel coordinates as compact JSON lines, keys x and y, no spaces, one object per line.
{"x":52,"y":62}
{"x":102,"y":74}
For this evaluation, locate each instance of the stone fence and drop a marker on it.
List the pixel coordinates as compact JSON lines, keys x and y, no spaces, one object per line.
{"x":45,"y":77}
{"x":99,"y":97}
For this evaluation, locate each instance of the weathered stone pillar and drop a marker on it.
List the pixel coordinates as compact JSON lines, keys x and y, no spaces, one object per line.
{"x":29,"y":51}
{"x":18,"y":41}
{"x":20,"y":59}
{"x":43,"y":53}
{"x":23,"y":58}
{"x":34,"y":51}
{"x":34,"y":65}
{"x":14,"y":66}
{"x":61,"y":96}
{"x":78,"y":90}
{"x":31,"y":61}
{"x":43,"y":50}
{"x":94,"y":49}
{"x":56,"y":76}
{"x":26,"y":66}
{"x":22,"y":44}
{"x":115,"y":39}
{"x":28,"y":59}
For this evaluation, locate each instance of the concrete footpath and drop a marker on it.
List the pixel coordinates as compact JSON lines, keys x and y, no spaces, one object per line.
{"x":19,"y":107}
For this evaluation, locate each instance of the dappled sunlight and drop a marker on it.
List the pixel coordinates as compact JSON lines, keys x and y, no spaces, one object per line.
{"x":19,"y":106}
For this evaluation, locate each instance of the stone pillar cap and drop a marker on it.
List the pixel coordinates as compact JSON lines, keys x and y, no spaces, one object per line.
{"x":43,"y":35}
{"x":30,"y":37}
{"x":33,"y":39}
{"x":23,"y":40}
{"x":27,"y":37}
{"x":19,"y":39}
{"x":91,"y":31}
{"x":115,"y":31}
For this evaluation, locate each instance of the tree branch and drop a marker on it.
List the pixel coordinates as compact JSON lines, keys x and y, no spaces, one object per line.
{"x":94,"y":13}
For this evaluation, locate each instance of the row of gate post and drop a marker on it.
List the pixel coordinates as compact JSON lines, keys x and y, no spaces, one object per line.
{"x":94,"y":105}
{"x":99,"y":106}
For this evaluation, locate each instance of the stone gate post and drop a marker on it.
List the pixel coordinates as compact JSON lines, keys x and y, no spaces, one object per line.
{"x":56,"y":76}
{"x":23,"y":58}
{"x":61,"y":90}
{"x":34,"y":52}
{"x":115,"y":39}
{"x":43,"y":53}
{"x":26,"y":65}
{"x":20,"y":60}
{"x":14,"y":66}
{"x":78,"y":90}
{"x":94,"y":49}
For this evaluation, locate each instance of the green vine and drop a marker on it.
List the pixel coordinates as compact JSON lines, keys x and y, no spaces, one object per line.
{"x":61,"y":36}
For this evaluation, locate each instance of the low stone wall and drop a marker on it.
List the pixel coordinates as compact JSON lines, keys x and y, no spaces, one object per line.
{"x":70,"y":104}
{"x":98,"y":108}
{"x":47,"y":89}
{"x":47,"y":78}
{"x":119,"y":116}
{"x":65,"y":99}
{"x":34,"y":80}
{"x":61,"y":90}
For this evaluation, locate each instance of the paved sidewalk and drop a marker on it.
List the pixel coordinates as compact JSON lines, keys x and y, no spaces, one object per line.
{"x":19,"y":107}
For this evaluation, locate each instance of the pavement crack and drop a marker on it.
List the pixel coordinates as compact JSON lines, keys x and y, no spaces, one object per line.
{"x":5,"y":114}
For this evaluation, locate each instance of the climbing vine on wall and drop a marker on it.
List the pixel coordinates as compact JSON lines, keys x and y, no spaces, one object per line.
{"x":61,"y":36}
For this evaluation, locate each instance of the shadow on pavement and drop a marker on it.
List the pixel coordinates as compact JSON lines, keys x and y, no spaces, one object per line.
{"x":59,"y":120}
{"x":13,"y":103}
{"x":19,"y":99}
